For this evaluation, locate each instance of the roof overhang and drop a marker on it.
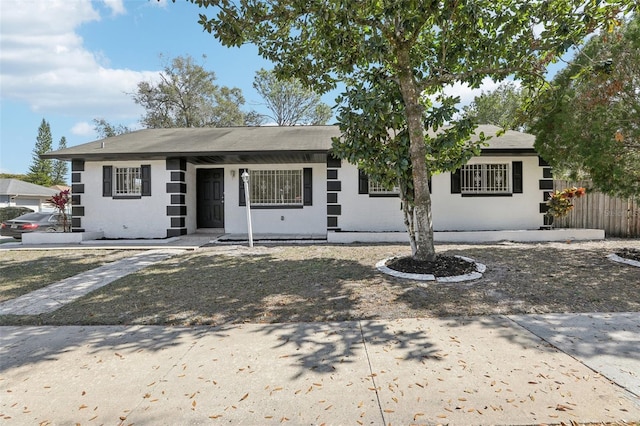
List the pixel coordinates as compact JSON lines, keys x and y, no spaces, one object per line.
{"x":256,"y":157}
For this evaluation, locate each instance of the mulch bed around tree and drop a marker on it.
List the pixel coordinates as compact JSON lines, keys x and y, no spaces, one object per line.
{"x":442,"y":266}
{"x":629,"y":253}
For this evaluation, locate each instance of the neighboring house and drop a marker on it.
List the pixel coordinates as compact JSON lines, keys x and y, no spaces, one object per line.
{"x":17,"y":193}
{"x":159,"y":183}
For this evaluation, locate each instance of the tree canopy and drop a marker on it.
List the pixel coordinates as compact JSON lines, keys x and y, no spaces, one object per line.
{"x":289,"y":101}
{"x":104,"y":129}
{"x":186,"y":96}
{"x":420,"y":46}
{"x":501,"y":107}
{"x":589,"y":120}
{"x":380,"y":148}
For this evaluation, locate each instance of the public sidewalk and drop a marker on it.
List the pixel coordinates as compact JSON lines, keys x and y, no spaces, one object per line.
{"x":482,"y":370}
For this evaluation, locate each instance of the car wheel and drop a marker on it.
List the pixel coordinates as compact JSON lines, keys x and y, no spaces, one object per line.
{"x":51,"y":229}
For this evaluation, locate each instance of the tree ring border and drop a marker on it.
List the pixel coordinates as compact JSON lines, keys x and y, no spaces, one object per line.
{"x":477,"y":274}
{"x":615,"y":258}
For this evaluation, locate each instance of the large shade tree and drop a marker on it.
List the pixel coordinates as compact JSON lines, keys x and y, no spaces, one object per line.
{"x":380,"y":147}
{"x":289,"y":101}
{"x":589,"y":122}
{"x":503,"y":107}
{"x":421,"y":46}
{"x":186,"y":96}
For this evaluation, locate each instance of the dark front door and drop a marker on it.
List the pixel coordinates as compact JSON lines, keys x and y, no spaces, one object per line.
{"x":210,"y":189}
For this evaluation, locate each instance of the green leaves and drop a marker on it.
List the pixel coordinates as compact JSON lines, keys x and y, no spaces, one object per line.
{"x":401,"y":51}
{"x":186,"y":96}
{"x":40,"y":170}
{"x":587,"y":124}
{"x":502,"y":107}
{"x":289,"y":101}
{"x":373,"y":121}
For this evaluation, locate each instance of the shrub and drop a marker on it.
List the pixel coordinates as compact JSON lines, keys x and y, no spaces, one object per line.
{"x":8,"y":213}
{"x":561,"y":202}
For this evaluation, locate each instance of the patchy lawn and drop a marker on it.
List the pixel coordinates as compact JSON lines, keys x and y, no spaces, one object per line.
{"x":230,"y":284}
{"x":23,"y":271}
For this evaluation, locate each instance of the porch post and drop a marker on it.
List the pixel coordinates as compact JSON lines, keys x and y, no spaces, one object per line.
{"x":245,"y":179}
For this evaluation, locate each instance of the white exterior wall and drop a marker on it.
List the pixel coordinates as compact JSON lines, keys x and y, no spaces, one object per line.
{"x":191,"y":199}
{"x":307,"y":220}
{"x":451,"y":212}
{"x":362,"y":213}
{"x":143,"y":217}
{"x":146,"y":217}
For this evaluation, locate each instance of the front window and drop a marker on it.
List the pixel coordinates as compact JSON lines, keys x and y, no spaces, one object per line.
{"x":275,"y":187}
{"x":485,"y":179}
{"x":376,"y":188}
{"x":128,"y":181}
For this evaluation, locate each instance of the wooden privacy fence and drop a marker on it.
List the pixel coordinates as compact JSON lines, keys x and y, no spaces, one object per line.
{"x":617,"y":216}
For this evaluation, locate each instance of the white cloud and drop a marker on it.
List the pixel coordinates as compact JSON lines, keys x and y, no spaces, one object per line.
{"x":45,"y":64}
{"x":116,"y":6}
{"x":467,"y":94}
{"x":83,"y":129}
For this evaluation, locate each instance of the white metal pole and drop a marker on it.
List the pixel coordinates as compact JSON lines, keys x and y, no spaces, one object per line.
{"x":245,"y":179}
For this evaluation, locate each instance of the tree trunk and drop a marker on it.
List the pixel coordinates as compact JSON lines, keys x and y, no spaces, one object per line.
{"x":425,"y":249}
{"x":409,"y":221}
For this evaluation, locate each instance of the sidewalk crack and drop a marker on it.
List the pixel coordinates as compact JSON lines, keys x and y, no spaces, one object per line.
{"x":371,"y":374}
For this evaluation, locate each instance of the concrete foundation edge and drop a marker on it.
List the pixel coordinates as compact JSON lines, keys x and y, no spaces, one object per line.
{"x":60,"y":237}
{"x":525,"y":236}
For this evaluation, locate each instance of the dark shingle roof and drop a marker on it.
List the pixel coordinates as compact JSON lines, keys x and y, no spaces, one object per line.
{"x":229,"y":141}
{"x":206,"y":141}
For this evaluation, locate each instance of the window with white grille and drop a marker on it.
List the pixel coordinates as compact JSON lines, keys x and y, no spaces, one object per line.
{"x":377,"y":189}
{"x":275,"y":187}
{"x":485,"y":179}
{"x":128,"y":181}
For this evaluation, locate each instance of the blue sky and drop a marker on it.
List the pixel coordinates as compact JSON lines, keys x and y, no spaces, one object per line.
{"x":70,"y":61}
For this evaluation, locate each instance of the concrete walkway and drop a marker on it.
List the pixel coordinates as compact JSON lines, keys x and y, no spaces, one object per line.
{"x":54,"y":296}
{"x":482,"y":371}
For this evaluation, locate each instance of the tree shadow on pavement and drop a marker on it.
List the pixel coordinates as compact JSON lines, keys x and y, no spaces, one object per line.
{"x":22,"y":346}
{"x":322,"y":347}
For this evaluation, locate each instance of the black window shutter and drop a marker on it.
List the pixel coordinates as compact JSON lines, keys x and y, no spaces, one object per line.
{"x":307,"y":186}
{"x":456,"y":187}
{"x":516,"y":177}
{"x":107,"y":181}
{"x":363,"y":182}
{"x":145,"y":174}
{"x":243,"y":201}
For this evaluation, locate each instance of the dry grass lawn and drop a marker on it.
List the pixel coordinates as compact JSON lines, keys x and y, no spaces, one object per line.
{"x":23,"y":271}
{"x":301,"y":283}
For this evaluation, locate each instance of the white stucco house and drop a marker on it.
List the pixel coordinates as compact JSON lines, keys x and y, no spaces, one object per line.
{"x":17,"y":193}
{"x":159,"y":183}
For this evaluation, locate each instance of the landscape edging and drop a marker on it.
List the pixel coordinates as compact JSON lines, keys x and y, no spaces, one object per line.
{"x":477,"y":274}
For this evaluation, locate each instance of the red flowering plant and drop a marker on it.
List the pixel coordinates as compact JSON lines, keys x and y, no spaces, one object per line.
{"x":60,"y":201}
{"x":560,"y":203}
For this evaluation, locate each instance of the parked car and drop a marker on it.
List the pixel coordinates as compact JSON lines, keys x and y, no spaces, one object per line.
{"x":31,"y":222}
